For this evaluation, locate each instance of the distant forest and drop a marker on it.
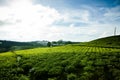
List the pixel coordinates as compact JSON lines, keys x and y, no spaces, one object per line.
{"x":13,"y":45}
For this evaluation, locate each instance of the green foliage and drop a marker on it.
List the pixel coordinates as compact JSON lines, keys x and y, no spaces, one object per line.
{"x":71,"y":77}
{"x":13,"y":45}
{"x":23,"y":77}
{"x":49,"y":44}
{"x":70,"y":62}
{"x":112,"y":41}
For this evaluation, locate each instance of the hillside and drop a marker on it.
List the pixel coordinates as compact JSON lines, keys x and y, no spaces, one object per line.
{"x":67,"y":62}
{"x":70,"y":62}
{"x":111,"y":41}
{"x":14,"y":45}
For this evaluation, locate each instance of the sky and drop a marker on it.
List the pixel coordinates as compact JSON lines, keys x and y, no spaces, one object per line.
{"x":70,"y":20}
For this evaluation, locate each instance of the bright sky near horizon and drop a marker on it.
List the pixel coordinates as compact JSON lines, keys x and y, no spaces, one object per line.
{"x":74,"y":20}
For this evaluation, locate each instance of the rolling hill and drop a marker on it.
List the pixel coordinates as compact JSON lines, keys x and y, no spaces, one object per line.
{"x":14,"y":45}
{"x":111,"y":41}
{"x":68,"y":62}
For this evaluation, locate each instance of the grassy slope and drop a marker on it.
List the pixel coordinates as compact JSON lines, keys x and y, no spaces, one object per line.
{"x":111,"y":41}
{"x":71,"y":62}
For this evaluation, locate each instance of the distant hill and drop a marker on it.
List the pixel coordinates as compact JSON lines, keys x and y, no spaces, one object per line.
{"x":111,"y":41}
{"x":13,"y":45}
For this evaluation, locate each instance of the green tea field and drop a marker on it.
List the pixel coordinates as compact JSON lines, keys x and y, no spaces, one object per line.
{"x":70,"y":62}
{"x":95,"y":60}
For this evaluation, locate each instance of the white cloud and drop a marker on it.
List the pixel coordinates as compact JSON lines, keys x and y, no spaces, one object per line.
{"x":76,"y":16}
{"x":113,"y":14}
{"x":28,"y":22}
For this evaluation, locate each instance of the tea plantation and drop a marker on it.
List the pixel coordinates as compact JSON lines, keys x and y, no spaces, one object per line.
{"x":69,"y":62}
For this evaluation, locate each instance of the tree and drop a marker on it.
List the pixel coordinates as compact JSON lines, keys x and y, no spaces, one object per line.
{"x":60,"y":42}
{"x":49,"y":44}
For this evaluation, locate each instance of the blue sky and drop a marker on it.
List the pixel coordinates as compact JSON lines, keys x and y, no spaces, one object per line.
{"x":74,"y":20}
{"x":75,"y":4}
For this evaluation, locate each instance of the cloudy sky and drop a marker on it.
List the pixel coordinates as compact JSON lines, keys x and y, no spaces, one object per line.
{"x":74,"y":20}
